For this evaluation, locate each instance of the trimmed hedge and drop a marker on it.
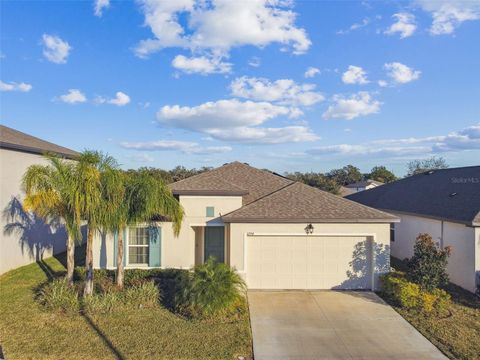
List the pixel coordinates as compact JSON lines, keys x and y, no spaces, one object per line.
{"x":408,"y":295}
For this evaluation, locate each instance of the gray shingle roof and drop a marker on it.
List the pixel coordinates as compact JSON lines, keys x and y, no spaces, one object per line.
{"x":232,"y":179}
{"x":298,"y":202}
{"x":16,"y":140}
{"x":364,"y":183}
{"x":449,"y":194}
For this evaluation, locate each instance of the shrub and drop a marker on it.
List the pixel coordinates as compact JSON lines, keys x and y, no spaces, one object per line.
{"x":427,"y":267}
{"x":144,"y":294}
{"x":58,"y":295}
{"x":410,"y":296}
{"x":103,"y":302}
{"x":211,"y":289}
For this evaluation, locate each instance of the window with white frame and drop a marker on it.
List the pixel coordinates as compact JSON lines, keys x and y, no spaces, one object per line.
{"x":138,"y":245}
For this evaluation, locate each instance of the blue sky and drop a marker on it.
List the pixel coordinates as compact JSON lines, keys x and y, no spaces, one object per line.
{"x":278,"y":84}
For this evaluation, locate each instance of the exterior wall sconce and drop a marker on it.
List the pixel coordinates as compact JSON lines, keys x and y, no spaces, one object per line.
{"x":309,"y":229}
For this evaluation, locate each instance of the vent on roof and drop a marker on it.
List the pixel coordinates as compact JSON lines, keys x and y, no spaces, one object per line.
{"x":452,"y":194}
{"x":247,"y":164}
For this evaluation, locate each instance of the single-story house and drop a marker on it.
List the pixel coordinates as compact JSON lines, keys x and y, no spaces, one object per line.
{"x":277,"y":233}
{"x":24,"y":238}
{"x":443,"y":203}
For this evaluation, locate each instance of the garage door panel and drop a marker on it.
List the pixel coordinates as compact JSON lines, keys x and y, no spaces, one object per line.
{"x":314,"y":262}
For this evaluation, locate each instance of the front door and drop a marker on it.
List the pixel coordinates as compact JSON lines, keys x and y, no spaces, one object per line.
{"x":215,"y":243}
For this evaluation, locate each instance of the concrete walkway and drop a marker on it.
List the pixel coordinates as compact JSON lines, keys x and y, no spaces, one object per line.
{"x":332,"y":325}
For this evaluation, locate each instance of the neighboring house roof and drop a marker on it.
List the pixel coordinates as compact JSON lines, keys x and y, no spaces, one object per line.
{"x":232,"y":179}
{"x":298,"y":202}
{"x":16,"y":140}
{"x":344,"y":191}
{"x":365,"y":183}
{"x":448,"y":194}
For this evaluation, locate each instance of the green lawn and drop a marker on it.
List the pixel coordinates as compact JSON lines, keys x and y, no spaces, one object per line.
{"x":457,"y":336}
{"x":28,"y":331}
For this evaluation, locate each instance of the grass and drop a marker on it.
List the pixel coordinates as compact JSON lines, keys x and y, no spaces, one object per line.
{"x":458,"y":335}
{"x":28,"y":331}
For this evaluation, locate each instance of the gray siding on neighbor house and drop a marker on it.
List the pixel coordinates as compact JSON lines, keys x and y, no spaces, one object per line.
{"x":24,"y":238}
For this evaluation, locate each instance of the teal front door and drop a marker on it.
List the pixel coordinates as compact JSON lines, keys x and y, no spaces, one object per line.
{"x":215,"y":243}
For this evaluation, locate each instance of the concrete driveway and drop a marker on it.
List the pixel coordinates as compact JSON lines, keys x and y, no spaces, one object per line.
{"x":332,"y":325}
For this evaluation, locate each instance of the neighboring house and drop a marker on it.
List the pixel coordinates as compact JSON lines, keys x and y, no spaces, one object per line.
{"x":443,"y":203}
{"x":24,"y":238}
{"x":360,"y":186}
{"x":277,"y":233}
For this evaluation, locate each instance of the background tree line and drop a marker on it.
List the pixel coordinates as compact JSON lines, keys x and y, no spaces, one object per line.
{"x":331,"y":181}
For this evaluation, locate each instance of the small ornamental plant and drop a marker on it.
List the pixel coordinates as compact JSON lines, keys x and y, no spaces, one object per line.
{"x":427,"y":266}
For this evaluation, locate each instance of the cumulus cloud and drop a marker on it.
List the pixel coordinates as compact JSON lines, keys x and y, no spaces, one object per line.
{"x":99,"y":5}
{"x":462,"y":140}
{"x":186,"y":147}
{"x":120,"y":99}
{"x":235,"y":120}
{"x":359,"y":104}
{"x":55,"y":49}
{"x":254,"y":61}
{"x":355,"y":26}
{"x":448,"y":15}
{"x":13,"y":86}
{"x":74,"y":96}
{"x":355,"y":75}
{"x":311,"y":72}
{"x":214,"y":27}
{"x":405,"y":25}
{"x":283,"y":91}
{"x":400,"y":73}
{"x":201,"y":65}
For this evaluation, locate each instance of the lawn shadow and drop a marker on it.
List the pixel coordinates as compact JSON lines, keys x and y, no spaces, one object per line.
{"x":118,"y":355}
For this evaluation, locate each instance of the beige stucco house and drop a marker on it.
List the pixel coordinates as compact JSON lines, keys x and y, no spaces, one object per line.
{"x":277,"y":233}
{"x":24,"y":238}
{"x":443,"y":203}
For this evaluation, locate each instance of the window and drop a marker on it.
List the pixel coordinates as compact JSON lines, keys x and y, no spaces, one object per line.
{"x":138,"y":246}
{"x":210,"y":211}
{"x":392,"y":232}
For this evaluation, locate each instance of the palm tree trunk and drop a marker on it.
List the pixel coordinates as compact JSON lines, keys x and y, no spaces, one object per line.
{"x":89,"y":265}
{"x":70,"y":259}
{"x":120,"y":259}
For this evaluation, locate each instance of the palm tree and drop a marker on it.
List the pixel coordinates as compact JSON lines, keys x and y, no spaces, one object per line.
{"x":93,"y":172}
{"x":50,"y":193}
{"x":143,"y":199}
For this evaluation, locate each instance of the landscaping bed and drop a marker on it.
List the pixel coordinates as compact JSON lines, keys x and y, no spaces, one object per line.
{"x":456,"y":334}
{"x":129,"y":329}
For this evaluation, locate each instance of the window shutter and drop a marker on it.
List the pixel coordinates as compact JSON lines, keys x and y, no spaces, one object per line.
{"x":154,"y":255}
{"x":124,"y":247}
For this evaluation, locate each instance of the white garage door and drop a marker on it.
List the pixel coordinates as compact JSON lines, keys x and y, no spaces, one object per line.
{"x":313,"y":262}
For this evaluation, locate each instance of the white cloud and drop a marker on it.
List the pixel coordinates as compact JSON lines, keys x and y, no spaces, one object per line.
{"x":254,"y":61}
{"x":141,"y":158}
{"x":405,"y":25}
{"x":359,"y":104}
{"x":55,"y":49}
{"x":463,"y":140}
{"x":355,"y":75}
{"x":99,"y":5}
{"x":266,"y":135}
{"x":186,"y":147}
{"x":283,"y":91}
{"x":355,"y":26}
{"x":448,"y":15}
{"x":201,"y":65}
{"x":74,"y":96}
{"x":120,"y":99}
{"x":400,"y":73}
{"x":235,"y":120}
{"x":220,"y":25}
{"x":382,"y":83}
{"x":13,"y":86}
{"x":311,"y":72}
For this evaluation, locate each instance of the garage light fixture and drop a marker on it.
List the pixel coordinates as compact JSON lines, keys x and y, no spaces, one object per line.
{"x":309,"y":229}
